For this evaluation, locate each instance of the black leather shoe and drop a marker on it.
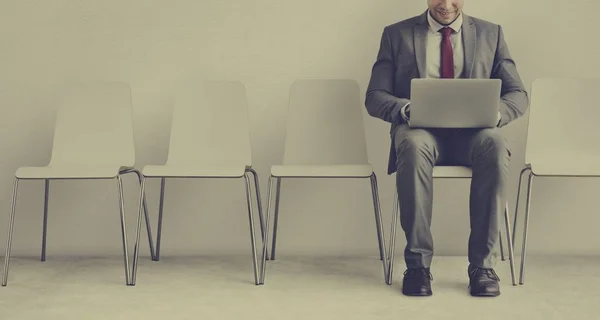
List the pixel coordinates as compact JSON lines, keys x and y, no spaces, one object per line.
{"x":483,"y":282}
{"x":417,"y":282}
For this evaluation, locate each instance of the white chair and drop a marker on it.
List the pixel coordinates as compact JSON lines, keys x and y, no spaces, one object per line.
{"x":450,"y":172}
{"x":325,"y":139}
{"x":210,"y":138}
{"x":93,"y":139}
{"x":560,"y":143}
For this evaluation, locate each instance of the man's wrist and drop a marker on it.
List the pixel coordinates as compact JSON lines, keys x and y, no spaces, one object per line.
{"x":499,"y":119}
{"x":405,"y":111}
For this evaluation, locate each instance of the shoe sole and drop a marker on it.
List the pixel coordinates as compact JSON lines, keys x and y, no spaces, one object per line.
{"x":485,"y":294}
{"x":421,"y":294}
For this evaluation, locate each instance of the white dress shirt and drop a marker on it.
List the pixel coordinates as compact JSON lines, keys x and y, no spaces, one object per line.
{"x":434,"y":54}
{"x":434,"y":49}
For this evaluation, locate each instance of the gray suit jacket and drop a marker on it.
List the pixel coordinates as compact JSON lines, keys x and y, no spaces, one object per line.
{"x":401,"y":58}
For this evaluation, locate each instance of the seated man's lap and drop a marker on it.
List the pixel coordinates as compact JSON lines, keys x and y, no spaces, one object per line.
{"x":458,"y":147}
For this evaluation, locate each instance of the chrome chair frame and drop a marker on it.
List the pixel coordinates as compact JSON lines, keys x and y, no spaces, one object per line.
{"x":45,"y":219}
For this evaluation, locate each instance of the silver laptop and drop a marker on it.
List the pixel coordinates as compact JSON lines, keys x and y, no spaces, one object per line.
{"x":454,"y":103}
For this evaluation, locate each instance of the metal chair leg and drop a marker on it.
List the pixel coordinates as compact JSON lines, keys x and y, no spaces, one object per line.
{"x":160,"y":218}
{"x":123,"y":229}
{"x":146,"y":212}
{"x":276,"y":218}
{"x":392,"y":247}
{"x":260,"y":206}
{"x":511,"y":256}
{"x":517,"y":204}
{"x":501,"y":246}
{"x":379,"y":224}
{"x":45,"y":222}
{"x":11,"y":224}
{"x":136,"y":249}
{"x":146,"y":217}
{"x":525,"y":227}
{"x":266,"y":242}
{"x":252,"y":235}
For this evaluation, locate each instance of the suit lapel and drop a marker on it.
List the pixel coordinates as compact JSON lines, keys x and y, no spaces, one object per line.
{"x":420,"y":43}
{"x":469,"y":34}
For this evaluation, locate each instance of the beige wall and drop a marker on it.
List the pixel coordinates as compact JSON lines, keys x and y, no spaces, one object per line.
{"x":267,"y":44}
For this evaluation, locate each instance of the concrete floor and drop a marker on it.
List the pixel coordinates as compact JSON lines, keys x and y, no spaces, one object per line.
{"x":296,"y":288}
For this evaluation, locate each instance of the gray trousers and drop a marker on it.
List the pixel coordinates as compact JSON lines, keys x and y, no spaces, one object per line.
{"x":418,"y":151}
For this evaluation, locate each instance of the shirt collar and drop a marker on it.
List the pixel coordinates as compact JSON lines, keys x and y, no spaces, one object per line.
{"x":436,"y":26}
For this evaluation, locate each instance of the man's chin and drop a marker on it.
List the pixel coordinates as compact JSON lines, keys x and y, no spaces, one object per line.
{"x":446,"y":19}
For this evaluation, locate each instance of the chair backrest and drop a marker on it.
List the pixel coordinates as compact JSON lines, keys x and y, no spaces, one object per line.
{"x":564,"y":120}
{"x":94,"y":126}
{"x":325,"y":123}
{"x":210,"y":125}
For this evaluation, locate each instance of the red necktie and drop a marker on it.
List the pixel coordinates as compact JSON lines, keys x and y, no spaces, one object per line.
{"x":447,"y":59}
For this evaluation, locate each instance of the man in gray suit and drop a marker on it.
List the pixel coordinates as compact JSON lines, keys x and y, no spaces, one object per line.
{"x":443,"y":42}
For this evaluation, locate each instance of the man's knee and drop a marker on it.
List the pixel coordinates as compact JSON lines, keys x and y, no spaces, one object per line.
{"x":490,"y":144}
{"x":414,"y":144}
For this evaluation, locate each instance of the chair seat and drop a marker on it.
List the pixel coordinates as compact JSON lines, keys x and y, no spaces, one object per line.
{"x":69,"y":172}
{"x":582,"y":168}
{"x":452,"y":172}
{"x":191,"y":171}
{"x":322,"y":171}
